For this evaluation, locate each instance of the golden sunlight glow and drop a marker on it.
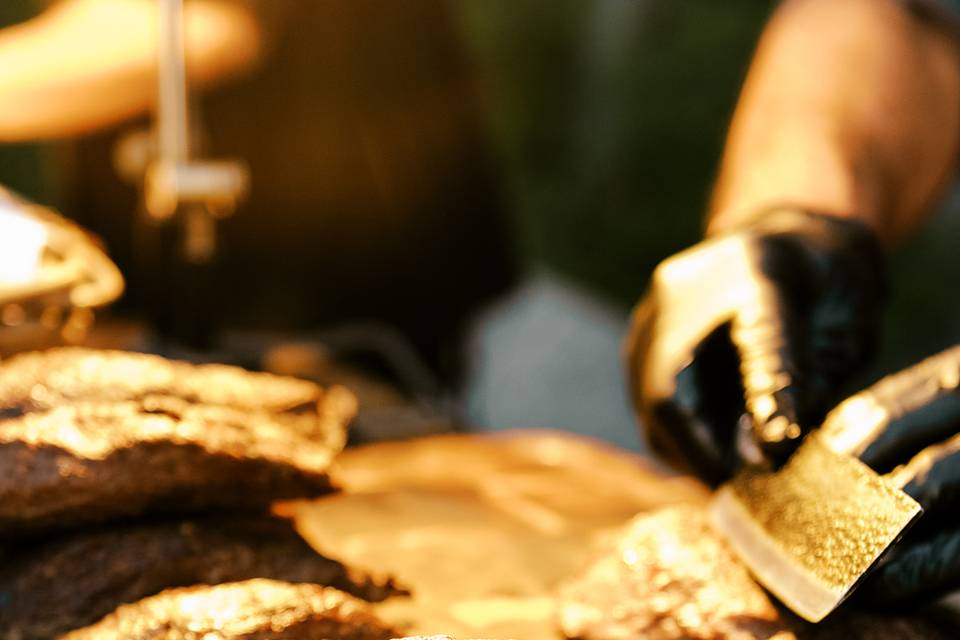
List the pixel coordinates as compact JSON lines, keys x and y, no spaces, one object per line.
{"x":21,"y":246}
{"x":855,"y":424}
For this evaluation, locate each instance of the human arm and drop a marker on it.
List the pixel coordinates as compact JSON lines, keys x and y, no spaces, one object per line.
{"x":86,"y":64}
{"x":851,"y":108}
{"x":843,"y":138}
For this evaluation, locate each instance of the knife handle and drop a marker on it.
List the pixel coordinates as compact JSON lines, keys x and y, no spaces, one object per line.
{"x":921,"y":463}
{"x":858,"y":421}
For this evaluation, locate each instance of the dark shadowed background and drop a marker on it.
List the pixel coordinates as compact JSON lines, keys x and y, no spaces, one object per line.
{"x":415,"y":163}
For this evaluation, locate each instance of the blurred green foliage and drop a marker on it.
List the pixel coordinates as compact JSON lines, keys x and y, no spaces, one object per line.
{"x":609,"y":118}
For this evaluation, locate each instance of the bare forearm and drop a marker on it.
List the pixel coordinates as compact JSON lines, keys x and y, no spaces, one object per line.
{"x":91,"y":63}
{"x":851,"y":107}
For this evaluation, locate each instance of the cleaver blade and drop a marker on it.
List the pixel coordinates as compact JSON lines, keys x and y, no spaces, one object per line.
{"x":811,"y":530}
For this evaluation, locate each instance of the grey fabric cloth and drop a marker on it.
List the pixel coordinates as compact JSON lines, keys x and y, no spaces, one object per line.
{"x":549,"y":356}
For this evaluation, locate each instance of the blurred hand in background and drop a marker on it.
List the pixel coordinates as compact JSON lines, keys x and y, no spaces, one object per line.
{"x":83,"y":65}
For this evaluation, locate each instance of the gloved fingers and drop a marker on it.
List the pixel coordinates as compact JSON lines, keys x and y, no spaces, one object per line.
{"x":915,"y":573}
{"x":892,"y":420}
{"x":685,"y":385}
{"x":768,"y":366}
{"x":665,"y":424}
{"x":693,"y":425}
{"x":907,"y":435}
{"x":922,"y":407}
{"x":932,"y":478}
{"x":704,"y":409}
{"x":686,"y":439}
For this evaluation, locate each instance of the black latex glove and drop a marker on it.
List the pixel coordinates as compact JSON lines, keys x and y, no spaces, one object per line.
{"x":743,"y":341}
{"x":908,"y":426}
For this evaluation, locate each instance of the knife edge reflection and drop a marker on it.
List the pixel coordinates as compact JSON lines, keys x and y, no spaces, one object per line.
{"x":811,"y":531}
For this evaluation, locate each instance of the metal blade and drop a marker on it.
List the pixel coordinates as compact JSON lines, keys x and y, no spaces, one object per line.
{"x":810,"y":531}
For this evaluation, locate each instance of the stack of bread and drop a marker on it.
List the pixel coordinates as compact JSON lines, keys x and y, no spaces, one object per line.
{"x":135,"y":502}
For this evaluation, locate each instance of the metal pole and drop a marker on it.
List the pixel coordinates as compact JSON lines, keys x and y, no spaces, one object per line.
{"x":172,"y":87}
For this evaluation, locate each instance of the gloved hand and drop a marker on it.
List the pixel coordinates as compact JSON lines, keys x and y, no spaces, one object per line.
{"x":743,"y":341}
{"x":908,"y":426}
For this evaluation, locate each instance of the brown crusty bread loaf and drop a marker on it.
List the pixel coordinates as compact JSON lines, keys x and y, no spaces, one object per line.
{"x":89,"y":436}
{"x":250,"y":610}
{"x":88,"y":574}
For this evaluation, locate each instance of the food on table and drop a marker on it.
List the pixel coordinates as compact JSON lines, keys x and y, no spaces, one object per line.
{"x":89,"y":436}
{"x":254,"y":609}
{"x":670,"y":576}
{"x":90,"y":573}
